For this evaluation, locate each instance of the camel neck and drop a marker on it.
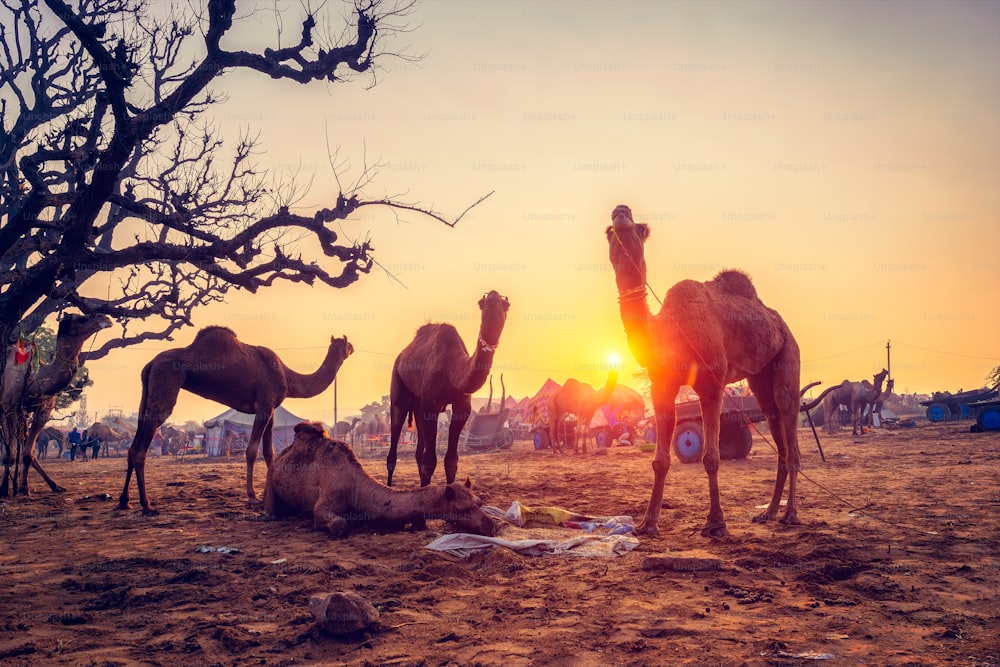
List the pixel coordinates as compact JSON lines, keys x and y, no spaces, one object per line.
{"x":472,"y":375}
{"x":301,"y":385}
{"x":637,"y":320}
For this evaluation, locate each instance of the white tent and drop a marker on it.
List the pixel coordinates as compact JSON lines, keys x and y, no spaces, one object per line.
{"x":235,"y":427}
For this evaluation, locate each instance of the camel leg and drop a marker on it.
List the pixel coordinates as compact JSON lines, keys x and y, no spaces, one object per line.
{"x":28,"y":460}
{"x":262,"y":423}
{"x":137,"y":463}
{"x":777,"y":399}
{"x":326,"y":517}
{"x":401,"y":402}
{"x":711,"y":412}
{"x":666,"y":419}
{"x":427,"y":445}
{"x":460,"y":412}
{"x":554,"y":432}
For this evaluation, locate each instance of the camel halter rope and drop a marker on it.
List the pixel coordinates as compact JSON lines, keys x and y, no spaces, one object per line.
{"x":486,"y":347}
{"x":640,"y":292}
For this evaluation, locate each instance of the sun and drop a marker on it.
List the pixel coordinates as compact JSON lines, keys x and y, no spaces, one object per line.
{"x":614,"y":360}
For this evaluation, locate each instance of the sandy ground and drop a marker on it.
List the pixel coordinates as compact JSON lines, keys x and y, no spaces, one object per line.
{"x":913,"y":578}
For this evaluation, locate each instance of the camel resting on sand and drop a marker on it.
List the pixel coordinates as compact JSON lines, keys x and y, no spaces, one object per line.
{"x":581,"y":400}
{"x":322,"y":478}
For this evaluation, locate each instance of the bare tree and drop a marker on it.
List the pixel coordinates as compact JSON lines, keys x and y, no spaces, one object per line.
{"x":109,"y":163}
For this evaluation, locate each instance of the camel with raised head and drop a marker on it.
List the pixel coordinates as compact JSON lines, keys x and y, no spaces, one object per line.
{"x":321,"y":478}
{"x":434,"y":371}
{"x":580,"y":400}
{"x":707,"y":335}
{"x":853,"y":396}
{"x":218,"y":366}
{"x":28,"y":392}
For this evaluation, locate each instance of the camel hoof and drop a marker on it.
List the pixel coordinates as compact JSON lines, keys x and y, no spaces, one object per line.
{"x":763,"y":518}
{"x":715,"y":530}
{"x":58,"y":489}
{"x":647,"y":529}
{"x":790,"y":520}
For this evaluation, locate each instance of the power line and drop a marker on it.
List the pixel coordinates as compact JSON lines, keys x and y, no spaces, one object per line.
{"x":953,"y":354}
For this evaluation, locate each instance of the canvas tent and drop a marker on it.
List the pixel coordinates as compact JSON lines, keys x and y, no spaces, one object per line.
{"x":237,"y":425}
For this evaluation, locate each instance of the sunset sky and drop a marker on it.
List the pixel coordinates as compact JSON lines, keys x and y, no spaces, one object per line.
{"x":846,"y":155}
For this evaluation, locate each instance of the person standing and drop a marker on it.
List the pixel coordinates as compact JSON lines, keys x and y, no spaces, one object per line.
{"x":74,"y":442}
{"x":95,"y":445}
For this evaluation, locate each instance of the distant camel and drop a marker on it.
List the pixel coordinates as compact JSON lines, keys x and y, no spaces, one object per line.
{"x":27,"y":392}
{"x":852,"y":396}
{"x":219,"y":367}
{"x":581,"y":400}
{"x":49,"y":435}
{"x":707,"y":335}
{"x":433,"y":371}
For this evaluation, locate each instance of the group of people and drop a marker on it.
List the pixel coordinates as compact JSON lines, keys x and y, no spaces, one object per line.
{"x":83,"y":442}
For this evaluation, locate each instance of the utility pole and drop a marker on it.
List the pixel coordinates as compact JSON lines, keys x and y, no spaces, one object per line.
{"x":888,"y":358}
{"x":334,"y":403}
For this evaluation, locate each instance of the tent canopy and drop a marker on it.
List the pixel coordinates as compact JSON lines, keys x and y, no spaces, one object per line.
{"x":235,"y":426}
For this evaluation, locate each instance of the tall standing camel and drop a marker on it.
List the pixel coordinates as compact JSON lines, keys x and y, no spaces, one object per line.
{"x":581,"y":400}
{"x":221,"y":368}
{"x":433,"y":371}
{"x":106,"y":434}
{"x":28,"y":392}
{"x":707,"y":335}
{"x":851,"y":395}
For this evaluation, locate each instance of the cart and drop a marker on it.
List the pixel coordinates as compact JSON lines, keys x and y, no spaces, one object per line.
{"x":987,"y":415}
{"x":489,"y":431}
{"x":735,"y":439}
{"x":944,"y":406}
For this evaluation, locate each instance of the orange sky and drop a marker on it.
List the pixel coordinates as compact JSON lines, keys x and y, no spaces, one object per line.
{"x":850,"y":163}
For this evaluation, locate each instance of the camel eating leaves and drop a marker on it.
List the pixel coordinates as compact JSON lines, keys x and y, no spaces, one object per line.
{"x":707,"y":335}
{"x":581,"y":400}
{"x":219,"y":367}
{"x":26,"y":391}
{"x":318,"y":477}
{"x":433,"y":371}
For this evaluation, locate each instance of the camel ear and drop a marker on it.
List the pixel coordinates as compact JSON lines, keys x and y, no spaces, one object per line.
{"x":449,"y":493}
{"x":642,"y":229}
{"x":468,"y":483}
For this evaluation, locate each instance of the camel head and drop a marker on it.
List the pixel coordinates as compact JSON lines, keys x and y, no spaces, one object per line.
{"x":626,"y":239}
{"x":74,"y":329}
{"x":463,"y":508}
{"x":340,"y":348}
{"x":494,"y":308}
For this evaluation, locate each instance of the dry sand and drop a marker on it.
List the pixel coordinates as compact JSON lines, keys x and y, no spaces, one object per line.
{"x":910,"y":579}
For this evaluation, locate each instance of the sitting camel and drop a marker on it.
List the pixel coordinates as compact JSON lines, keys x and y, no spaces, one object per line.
{"x":580,"y":400}
{"x":435,"y":370}
{"x":221,"y":368}
{"x":321,"y":478}
{"x":852,"y":396}
{"x":708,"y":335}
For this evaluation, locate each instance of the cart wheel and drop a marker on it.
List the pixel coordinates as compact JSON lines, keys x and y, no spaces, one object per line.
{"x":735,"y":441}
{"x":541,"y":439}
{"x":938,"y":412}
{"x":650,"y":434}
{"x":689,"y":442}
{"x":989,"y":418}
{"x":603,"y":437}
{"x":506,"y":438}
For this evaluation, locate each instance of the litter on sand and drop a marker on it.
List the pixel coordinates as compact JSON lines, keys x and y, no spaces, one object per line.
{"x":205,"y":549}
{"x":464,"y":545}
{"x":523,"y":516}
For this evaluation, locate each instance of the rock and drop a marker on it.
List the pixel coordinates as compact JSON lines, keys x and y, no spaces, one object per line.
{"x":683,"y":561}
{"x":342,"y":613}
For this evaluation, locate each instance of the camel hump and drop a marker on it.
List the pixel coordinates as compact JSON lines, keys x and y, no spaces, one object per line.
{"x":312,"y":430}
{"x":214,"y":332}
{"x":734,"y":281}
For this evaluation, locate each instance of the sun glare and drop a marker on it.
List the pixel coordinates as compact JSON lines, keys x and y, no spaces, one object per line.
{"x":615,"y":361}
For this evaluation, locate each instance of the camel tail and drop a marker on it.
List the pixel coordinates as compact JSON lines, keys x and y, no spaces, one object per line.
{"x":819,"y":399}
